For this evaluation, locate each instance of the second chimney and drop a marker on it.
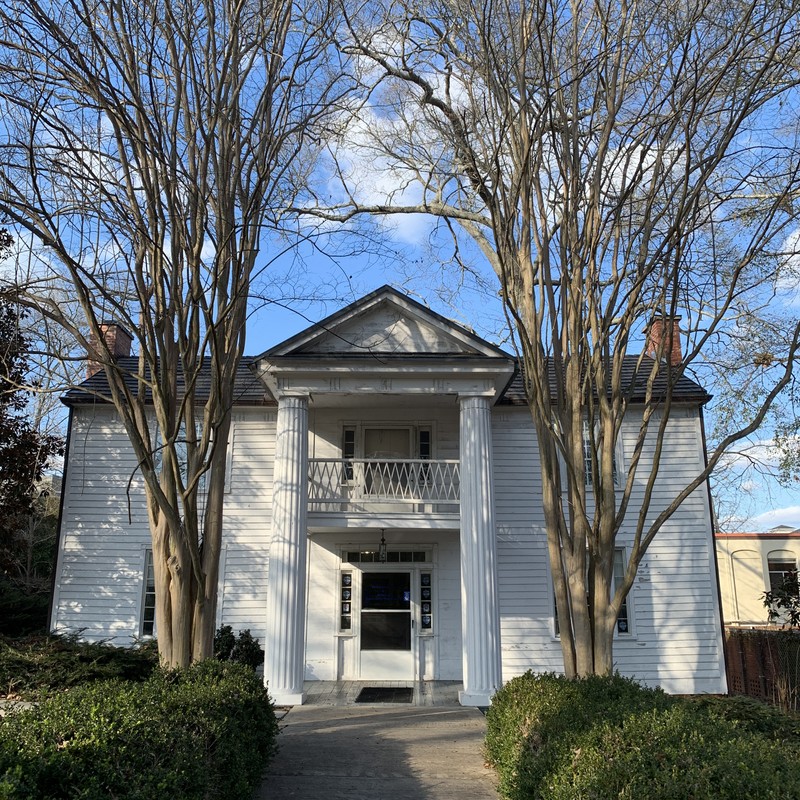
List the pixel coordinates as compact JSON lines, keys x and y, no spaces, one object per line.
{"x":118,"y":341}
{"x":664,"y":339}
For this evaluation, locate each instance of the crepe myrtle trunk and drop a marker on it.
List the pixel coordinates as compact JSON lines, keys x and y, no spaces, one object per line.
{"x":582,"y":562}
{"x":205,"y":612}
{"x":186,"y":576}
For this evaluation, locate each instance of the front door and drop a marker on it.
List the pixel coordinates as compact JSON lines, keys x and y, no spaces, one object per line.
{"x":386,"y":641}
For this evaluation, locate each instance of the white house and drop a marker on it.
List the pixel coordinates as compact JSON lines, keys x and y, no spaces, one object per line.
{"x":383,"y":520}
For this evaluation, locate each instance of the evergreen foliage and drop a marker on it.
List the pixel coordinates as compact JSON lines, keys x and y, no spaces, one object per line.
{"x":609,"y":738}
{"x":204,"y":732}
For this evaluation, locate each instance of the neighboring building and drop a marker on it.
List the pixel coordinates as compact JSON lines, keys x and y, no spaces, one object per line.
{"x":383,"y":519}
{"x":751,"y":564}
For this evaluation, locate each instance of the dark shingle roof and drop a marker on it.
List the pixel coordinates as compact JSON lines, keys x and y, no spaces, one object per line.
{"x":634,"y":376}
{"x":249,"y":389}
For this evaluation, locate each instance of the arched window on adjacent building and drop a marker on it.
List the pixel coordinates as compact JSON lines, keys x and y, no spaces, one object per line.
{"x":779,"y":564}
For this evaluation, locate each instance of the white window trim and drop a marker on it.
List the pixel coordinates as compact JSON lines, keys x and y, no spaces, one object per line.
{"x":203,"y":481}
{"x":147,"y":565}
{"x":629,"y":607}
{"x":618,"y":457}
{"x":784,"y":557}
{"x":413,"y":428}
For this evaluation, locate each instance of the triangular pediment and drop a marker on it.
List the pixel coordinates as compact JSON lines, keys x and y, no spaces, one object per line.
{"x":387,"y":323}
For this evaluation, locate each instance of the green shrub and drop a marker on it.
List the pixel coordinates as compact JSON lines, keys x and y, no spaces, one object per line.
{"x":224,"y":642}
{"x":751,"y":715}
{"x":243,"y":649}
{"x":674,"y":754}
{"x":34,"y":664}
{"x":603,"y":738}
{"x":536,"y":720}
{"x":206,"y":732}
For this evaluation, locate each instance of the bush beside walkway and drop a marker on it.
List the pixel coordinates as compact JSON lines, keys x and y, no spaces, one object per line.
{"x":610,"y":738}
{"x":205,"y":732}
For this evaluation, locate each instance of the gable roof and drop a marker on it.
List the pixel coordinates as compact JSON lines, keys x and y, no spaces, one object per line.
{"x":388,"y":324}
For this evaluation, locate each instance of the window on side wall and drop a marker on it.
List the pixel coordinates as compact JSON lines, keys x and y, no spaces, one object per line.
{"x":147,"y":621}
{"x":181,"y":452}
{"x":623,"y":625}
{"x":587,"y":457}
{"x":623,"y":617}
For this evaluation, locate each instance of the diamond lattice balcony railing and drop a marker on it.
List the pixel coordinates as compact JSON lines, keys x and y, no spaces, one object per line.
{"x":358,"y":483}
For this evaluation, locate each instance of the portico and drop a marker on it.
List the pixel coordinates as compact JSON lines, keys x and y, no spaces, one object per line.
{"x":390,"y":440}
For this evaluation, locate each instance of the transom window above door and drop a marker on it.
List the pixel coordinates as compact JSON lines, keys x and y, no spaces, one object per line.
{"x":372,"y":556}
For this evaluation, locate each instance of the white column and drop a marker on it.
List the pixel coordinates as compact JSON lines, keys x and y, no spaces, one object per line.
{"x":480,"y":618}
{"x":284,"y":664}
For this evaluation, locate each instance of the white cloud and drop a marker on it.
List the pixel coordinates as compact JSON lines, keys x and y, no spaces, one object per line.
{"x":789,"y":515}
{"x":759,"y":453}
{"x":787,"y":282}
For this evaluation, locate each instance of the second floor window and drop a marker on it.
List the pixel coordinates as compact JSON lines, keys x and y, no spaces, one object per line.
{"x":587,"y":457}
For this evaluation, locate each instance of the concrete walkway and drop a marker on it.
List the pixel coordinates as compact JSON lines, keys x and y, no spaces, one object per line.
{"x":380,"y":752}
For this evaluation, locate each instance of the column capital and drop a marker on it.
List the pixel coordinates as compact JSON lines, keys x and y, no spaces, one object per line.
{"x":295,"y":399}
{"x":475,"y":400}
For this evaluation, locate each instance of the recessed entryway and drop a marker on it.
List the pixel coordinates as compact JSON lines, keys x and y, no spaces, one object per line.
{"x":386,"y":615}
{"x":385,"y":634}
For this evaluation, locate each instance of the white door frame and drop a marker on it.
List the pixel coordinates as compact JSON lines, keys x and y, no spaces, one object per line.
{"x":355,"y":664}
{"x":389,"y":665}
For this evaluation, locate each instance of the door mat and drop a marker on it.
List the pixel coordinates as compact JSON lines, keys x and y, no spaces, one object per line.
{"x":385,"y":694}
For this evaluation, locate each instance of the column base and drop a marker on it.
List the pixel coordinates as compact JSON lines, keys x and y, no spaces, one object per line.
{"x":287,"y":698}
{"x":475,"y":698}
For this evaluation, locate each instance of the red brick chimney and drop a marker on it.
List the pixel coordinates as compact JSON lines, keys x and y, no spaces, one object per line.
{"x":664,"y":339}
{"x":118,"y":341}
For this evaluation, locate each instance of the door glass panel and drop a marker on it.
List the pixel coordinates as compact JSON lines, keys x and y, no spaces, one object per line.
{"x":386,"y":630}
{"x":386,"y":611}
{"x":386,"y":591}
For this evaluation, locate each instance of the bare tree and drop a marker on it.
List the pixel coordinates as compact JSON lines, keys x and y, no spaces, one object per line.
{"x":620,"y":166}
{"x":148,"y":148}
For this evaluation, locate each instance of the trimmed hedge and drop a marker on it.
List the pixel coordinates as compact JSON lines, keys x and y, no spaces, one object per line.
{"x":674,"y":754}
{"x":205,"y":732}
{"x":604,"y":738}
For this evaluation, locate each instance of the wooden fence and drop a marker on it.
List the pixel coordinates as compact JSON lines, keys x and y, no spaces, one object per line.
{"x":764,"y":663}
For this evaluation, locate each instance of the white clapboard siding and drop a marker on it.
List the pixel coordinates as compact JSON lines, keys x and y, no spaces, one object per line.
{"x":101,"y":558}
{"x":101,"y":553}
{"x":248,"y":521}
{"x":676,"y":638}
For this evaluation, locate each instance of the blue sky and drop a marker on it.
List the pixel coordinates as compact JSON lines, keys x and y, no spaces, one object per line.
{"x":413,"y":264}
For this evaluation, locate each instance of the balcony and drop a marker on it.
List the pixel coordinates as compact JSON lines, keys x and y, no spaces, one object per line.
{"x":383,"y":485}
